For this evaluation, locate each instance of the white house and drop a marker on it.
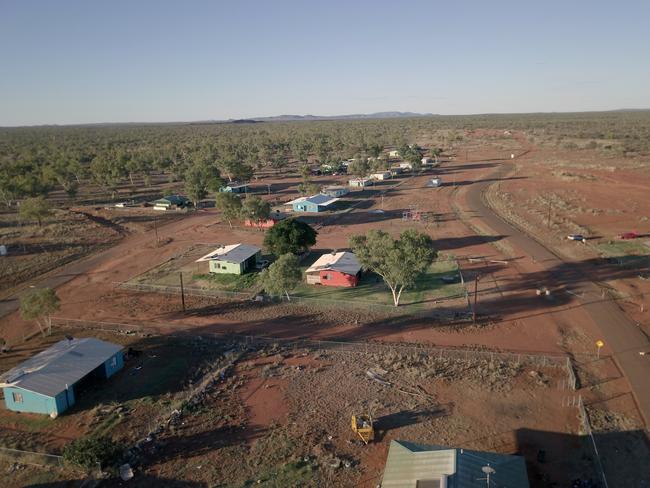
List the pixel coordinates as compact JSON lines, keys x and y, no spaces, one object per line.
{"x":382,"y":175}
{"x":359,"y":182}
{"x":406,"y":165}
{"x":393,"y":154}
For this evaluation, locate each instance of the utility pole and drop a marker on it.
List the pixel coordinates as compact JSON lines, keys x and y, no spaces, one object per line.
{"x":180,"y":274}
{"x":155,"y":229}
{"x":548,"y":221}
{"x":475,"y":298}
{"x":268,"y":188}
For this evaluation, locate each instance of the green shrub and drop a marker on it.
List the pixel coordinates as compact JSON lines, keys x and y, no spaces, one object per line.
{"x":87,"y":452}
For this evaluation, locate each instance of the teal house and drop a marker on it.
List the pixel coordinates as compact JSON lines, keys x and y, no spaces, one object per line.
{"x":313,"y":204}
{"x":232,"y":259}
{"x":46,"y":383}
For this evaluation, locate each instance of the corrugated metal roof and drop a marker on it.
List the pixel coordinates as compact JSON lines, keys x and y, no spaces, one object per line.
{"x":344,"y":261}
{"x":409,"y":463}
{"x":233,"y":253}
{"x":320,"y":199}
{"x":64,"y":363}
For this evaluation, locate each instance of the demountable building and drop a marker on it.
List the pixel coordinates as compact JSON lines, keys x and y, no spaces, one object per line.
{"x":315,"y":203}
{"x":232,"y":259}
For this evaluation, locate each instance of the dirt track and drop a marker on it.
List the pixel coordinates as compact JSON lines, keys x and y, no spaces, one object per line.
{"x":620,"y":334}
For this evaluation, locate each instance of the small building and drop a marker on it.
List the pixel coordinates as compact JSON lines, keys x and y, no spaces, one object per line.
{"x":405,"y":165}
{"x":381,"y":175}
{"x":314,"y":204}
{"x":411,"y":465}
{"x":396,"y":171}
{"x":393,"y":154}
{"x":335,"y":191}
{"x":46,"y":383}
{"x":234,"y":188}
{"x":232,"y":259}
{"x":427,"y":161}
{"x":359,"y":182}
{"x":334,"y":269}
{"x":171,"y":202}
{"x":434,"y":182}
{"x":273,"y":219}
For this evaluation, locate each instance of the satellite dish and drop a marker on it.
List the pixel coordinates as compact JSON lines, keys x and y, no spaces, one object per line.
{"x":488,"y":470}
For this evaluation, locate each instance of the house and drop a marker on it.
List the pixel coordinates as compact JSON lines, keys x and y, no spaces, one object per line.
{"x":393,"y":154}
{"x":273,"y":219}
{"x":382,"y":175}
{"x":46,"y":383}
{"x":334,"y":269}
{"x":405,"y":165}
{"x":315,"y":203}
{"x":234,"y":188}
{"x":434,"y":182}
{"x":336,"y":191}
{"x":171,"y":202}
{"x":359,"y":182}
{"x":232,"y":259}
{"x":412,"y":465}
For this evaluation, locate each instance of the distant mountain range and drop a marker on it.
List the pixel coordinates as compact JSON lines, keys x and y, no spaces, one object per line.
{"x":291,"y":118}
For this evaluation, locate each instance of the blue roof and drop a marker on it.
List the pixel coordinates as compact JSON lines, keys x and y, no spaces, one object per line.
{"x":319,"y":199}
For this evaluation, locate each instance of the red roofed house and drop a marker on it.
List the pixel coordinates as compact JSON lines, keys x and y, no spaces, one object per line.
{"x":334,"y":269}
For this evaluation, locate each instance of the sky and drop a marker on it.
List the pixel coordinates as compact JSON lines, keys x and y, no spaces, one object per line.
{"x":92,"y":61}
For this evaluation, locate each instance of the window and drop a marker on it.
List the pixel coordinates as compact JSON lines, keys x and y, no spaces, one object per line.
{"x":18,"y":397}
{"x":113,"y":362}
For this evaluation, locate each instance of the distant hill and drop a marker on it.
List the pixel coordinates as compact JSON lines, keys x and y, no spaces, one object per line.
{"x":291,"y":118}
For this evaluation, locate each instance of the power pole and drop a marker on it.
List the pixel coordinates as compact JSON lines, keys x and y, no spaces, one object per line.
{"x":548,"y":221}
{"x":155,"y":229}
{"x":180,"y":274}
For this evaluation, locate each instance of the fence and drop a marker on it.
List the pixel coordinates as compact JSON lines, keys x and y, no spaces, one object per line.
{"x":187,"y":290}
{"x":32,"y":458}
{"x":586,"y":427}
{"x":95,"y":325}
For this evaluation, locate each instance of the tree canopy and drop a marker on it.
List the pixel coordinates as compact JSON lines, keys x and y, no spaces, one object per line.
{"x":38,"y":305}
{"x":230,"y":206}
{"x":35,"y":208}
{"x":255,"y":209}
{"x":290,"y":236}
{"x":398,"y":261}
{"x":282,"y":276}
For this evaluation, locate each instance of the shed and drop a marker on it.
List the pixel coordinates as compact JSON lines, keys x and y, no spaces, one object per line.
{"x":360,"y":182}
{"x":46,"y":382}
{"x":381,"y":175}
{"x":315,"y":203}
{"x":393,"y":154}
{"x":336,"y":191}
{"x":234,"y":188}
{"x":411,"y":465}
{"x":334,"y":269}
{"x":232,"y":259}
{"x":405,"y":165}
{"x":171,"y":202}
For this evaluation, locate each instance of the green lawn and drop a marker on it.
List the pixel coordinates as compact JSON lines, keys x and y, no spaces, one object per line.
{"x":227,"y":282}
{"x":372,"y":290}
{"x":632,"y":253}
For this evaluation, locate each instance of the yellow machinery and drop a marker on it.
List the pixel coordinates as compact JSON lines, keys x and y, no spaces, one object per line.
{"x":362,"y":425}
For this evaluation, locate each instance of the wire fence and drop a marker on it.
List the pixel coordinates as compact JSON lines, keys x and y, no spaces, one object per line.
{"x":586,"y":427}
{"x":31,"y":457}
{"x":460,"y":314}
{"x":536,"y":360}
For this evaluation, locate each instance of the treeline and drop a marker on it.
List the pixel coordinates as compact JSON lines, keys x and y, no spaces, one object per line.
{"x":34,"y":161}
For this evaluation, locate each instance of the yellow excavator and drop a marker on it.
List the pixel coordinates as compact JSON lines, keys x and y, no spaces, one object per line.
{"x":362,"y":425}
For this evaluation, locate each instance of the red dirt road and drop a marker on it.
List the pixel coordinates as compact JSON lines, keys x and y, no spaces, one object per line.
{"x":621,"y":335}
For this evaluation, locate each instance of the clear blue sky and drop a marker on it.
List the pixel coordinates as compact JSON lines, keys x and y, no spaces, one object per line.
{"x":118,"y":61}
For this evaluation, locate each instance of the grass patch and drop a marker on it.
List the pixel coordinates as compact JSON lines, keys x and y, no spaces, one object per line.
{"x":372,"y":290}
{"x":292,"y":474}
{"x":228,"y":282}
{"x":623,"y":248}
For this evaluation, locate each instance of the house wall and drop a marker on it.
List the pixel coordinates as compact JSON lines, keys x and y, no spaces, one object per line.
{"x":31,"y":401}
{"x":313,"y":278}
{"x":336,"y":278}
{"x":114,"y":364}
{"x":224,"y":267}
{"x":305,"y":207}
{"x":262,"y":224}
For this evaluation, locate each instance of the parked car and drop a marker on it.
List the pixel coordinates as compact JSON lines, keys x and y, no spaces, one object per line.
{"x":629,"y":235}
{"x":576,"y":237}
{"x":263,"y":264}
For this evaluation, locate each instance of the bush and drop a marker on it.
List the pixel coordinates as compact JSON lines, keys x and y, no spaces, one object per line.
{"x":87,"y":452}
